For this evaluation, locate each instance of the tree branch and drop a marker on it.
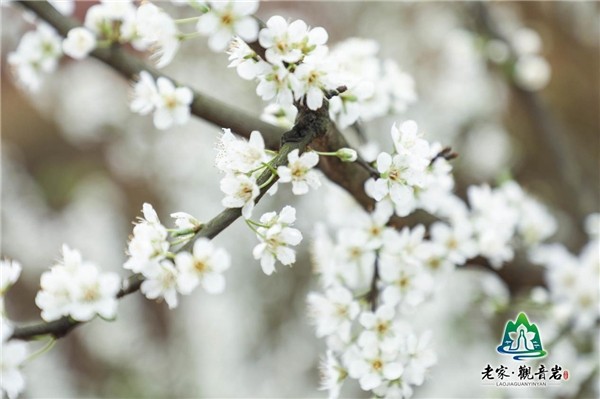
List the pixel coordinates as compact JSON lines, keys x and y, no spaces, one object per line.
{"x":309,"y":125}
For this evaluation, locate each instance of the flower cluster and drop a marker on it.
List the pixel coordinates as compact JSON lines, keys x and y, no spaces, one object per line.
{"x":499,"y":216}
{"x":37,"y":54}
{"x":170,"y":104}
{"x":572,"y":281}
{"x":403,"y":172}
{"x":242,"y":162}
{"x":375,"y":276}
{"x":295,"y":65}
{"x":298,"y":64}
{"x":166,"y":274}
{"x":78,"y":289}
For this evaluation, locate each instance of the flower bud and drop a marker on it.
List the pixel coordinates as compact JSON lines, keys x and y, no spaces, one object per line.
{"x":346,"y":154}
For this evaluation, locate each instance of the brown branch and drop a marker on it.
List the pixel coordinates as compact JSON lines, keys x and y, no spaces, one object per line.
{"x":309,"y":125}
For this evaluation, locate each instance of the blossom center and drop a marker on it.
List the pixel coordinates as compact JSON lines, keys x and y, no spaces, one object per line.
{"x":377,"y":364}
{"x":91,"y":294}
{"x":227,"y":19}
{"x":200,"y":266}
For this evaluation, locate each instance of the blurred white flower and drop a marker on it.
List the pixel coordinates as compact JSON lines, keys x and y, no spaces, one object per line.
{"x":10,"y":270}
{"x":592,"y":225}
{"x":532,"y":72}
{"x":157,"y":30}
{"x":37,"y":54}
{"x":105,"y":17}
{"x":79,"y":43}
{"x":345,"y":109}
{"x":378,"y":325}
{"x":419,"y":356}
{"x":76,"y":288}
{"x":93,"y":293}
{"x":12,"y":356}
{"x":374,"y":363}
{"x":355,"y":257}
{"x":276,"y":236}
{"x":145,"y":94}
{"x":204,"y":266}
{"x":333,"y":312}
{"x":226,"y":19}
{"x":299,"y":172}
{"x":332,"y":375}
{"x":457,"y":240}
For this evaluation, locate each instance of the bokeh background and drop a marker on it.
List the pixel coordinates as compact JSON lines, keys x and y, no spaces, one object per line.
{"x":77,"y":166}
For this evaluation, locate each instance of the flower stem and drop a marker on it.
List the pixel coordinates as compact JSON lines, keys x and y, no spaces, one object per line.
{"x":186,"y":20}
{"x":43,"y":350}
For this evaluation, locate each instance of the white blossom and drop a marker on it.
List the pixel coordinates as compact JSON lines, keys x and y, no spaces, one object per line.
{"x":226,"y":19}
{"x":333,"y":312}
{"x":311,"y":78}
{"x":275,"y":84}
{"x":403,"y":171}
{"x":299,"y":172}
{"x":79,"y":43}
{"x":160,"y":281}
{"x":241,"y":156}
{"x":185,"y":222}
{"x":276,"y":236}
{"x":289,"y":42}
{"x":374,"y":363}
{"x":245,"y":60}
{"x":145,"y":96}
{"x":418,"y":356}
{"x":240,"y":192}
{"x":171,"y":105}
{"x":203,"y":266}
{"x":149,"y":245}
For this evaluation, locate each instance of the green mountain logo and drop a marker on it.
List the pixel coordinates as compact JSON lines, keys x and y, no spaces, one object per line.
{"x":521,"y":339}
